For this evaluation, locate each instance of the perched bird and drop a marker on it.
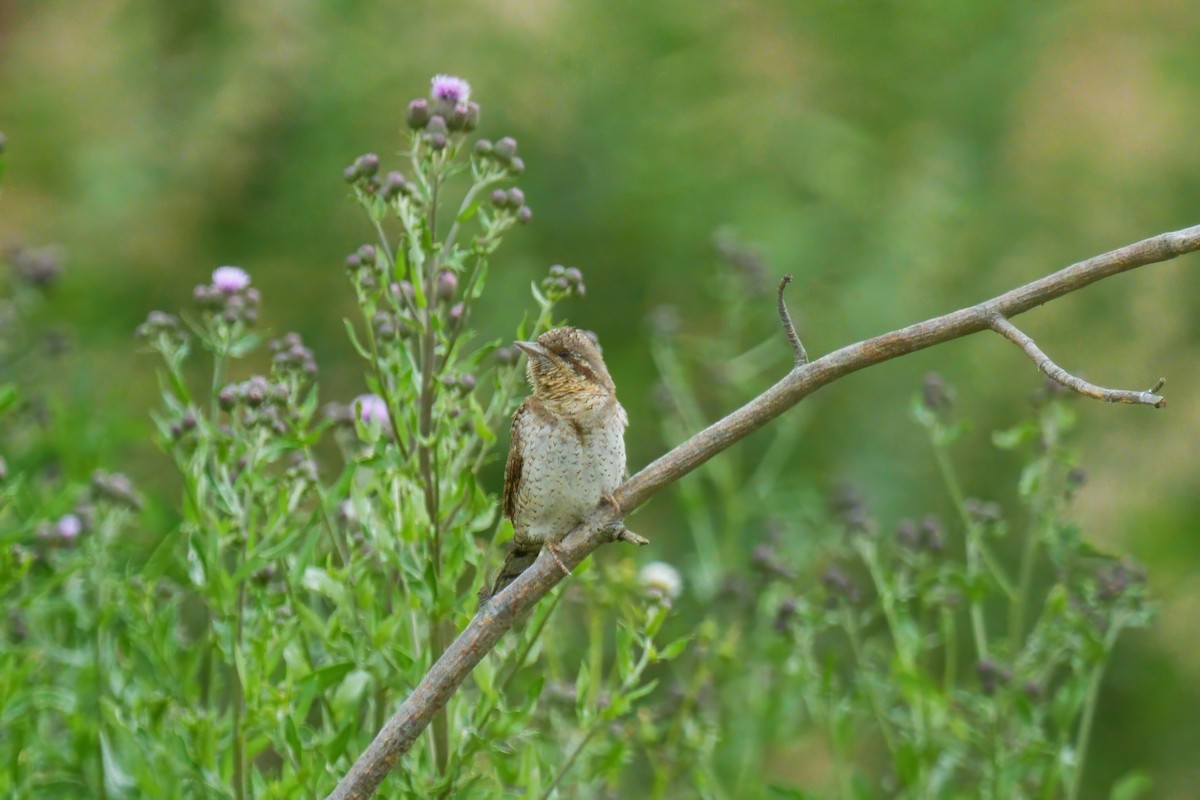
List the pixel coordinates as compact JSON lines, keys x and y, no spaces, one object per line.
{"x":567,"y":451}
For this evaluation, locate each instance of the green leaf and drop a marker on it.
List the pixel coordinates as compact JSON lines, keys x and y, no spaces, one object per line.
{"x":353,"y":688}
{"x":293,"y":739}
{"x":1131,"y":786}
{"x":317,"y":580}
{"x":672,"y":651}
{"x":537,"y":294}
{"x":8,"y":396}
{"x":245,"y":344}
{"x":353,"y":336}
{"x":1014,"y":437}
{"x":325,"y":677}
{"x":469,"y":212}
{"x":338,"y":746}
{"x":163,"y":557}
{"x":116,"y":780}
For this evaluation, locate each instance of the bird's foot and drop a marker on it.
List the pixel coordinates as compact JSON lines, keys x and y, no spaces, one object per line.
{"x":612,"y":501}
{"x":554,"y":552}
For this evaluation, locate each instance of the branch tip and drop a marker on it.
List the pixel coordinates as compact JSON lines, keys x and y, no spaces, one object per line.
{"x":1002,"y":326}
{"x":619,"y":533}
{"x":789,"y":327}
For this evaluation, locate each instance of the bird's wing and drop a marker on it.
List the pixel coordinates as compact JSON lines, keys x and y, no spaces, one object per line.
{"x":512,"y":469}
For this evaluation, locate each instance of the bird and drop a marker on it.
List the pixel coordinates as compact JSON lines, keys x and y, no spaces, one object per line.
{"x":567,"y":451}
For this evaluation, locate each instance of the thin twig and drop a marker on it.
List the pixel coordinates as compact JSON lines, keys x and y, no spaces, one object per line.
{"x":501,"y":612}
{"x":1018,"y":337}
{"x":789,"y":327}
{"x":622,"y":534}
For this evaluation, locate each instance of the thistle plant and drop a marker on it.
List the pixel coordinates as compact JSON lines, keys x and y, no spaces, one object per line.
{"x":325,"y":551}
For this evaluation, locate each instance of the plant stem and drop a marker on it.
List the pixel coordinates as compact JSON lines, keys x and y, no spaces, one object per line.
{"x":562,"y":772}
{"x":98,"y":655}
{"x":950,"y":648}
{"x":885,"y":728}
{"x":1016,"y":625}
{"x":239,"y":704}
{"x":978,"y":629}
{"x":425,"y":458}
{"x":1083,"y":738}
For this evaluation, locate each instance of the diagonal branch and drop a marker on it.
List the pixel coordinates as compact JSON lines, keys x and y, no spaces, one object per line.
{"x":789,"y":327}
{"x":1018,"y":337}
{"x":495,"y":618}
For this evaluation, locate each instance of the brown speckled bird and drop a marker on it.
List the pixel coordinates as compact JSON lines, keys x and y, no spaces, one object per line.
{"x":567,"y":451}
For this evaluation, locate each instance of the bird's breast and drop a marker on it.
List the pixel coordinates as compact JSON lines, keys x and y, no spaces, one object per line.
{"x":566,"y":467}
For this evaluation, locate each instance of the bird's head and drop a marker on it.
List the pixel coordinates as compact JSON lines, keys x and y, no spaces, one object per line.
{"x":567,"y":372}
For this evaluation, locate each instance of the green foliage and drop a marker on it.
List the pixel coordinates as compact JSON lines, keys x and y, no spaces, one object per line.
{"x":912,"y":657}
{"x":320,"y":561}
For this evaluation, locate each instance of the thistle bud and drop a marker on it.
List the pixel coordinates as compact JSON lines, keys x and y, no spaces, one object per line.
{"x":393,"y":185}
{"x":437,"y":124}
{"x":499,"y":198}
{"x":516,"y":166}
{"x":472,"y":121}
{"x":505,"y":149}
{"x":350,"y":173}
{"x":447,"y":285}
{"x":438,"y":141}
{"x":367,"y":164}
{"x":483,"y":147}
{"x":524,"y":215}
{"x":457,"y":312}
{"x":457,"y":119}
{"x":418,"y":113}
{"x":516,"y":198}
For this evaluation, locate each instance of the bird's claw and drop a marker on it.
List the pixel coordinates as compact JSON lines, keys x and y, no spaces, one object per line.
{"x":552,"y":549}
{"x":612,"y":501}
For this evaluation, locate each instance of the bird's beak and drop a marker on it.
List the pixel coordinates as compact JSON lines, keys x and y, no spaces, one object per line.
{"x":533,"y":349}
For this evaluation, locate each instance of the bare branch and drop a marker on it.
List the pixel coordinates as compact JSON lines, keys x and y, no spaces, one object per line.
{"x":499,"y":614}
{"x":623,"y":534}
{"x":788,"y":327}
{"x":1022,"y":340}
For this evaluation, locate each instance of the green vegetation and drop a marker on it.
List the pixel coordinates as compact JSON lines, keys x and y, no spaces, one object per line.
{"x":248,"y":617}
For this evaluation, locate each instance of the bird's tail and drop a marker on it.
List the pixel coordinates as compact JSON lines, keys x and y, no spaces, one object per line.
{"x":520,"y":557}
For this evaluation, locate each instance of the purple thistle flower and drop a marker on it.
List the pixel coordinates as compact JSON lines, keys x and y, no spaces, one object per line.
{"x":69,"y":527}
{"x":230,"y":280}
{"x":370,"y":408}
{"x":448,"y":87}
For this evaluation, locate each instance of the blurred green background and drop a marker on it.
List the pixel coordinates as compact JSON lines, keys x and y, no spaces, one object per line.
{"x":901,"y":160}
